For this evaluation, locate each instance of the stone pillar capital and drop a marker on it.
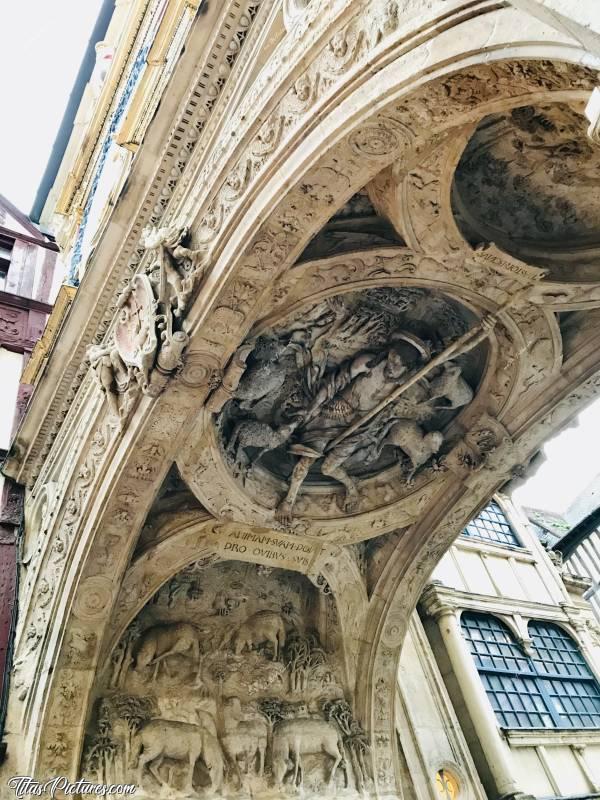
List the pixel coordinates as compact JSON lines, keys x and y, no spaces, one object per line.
{"x":436,"y":603}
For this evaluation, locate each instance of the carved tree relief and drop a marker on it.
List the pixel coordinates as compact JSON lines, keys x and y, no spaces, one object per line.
{"x":219,"y":687}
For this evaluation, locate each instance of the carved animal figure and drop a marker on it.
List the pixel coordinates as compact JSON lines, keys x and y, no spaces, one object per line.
{"x":212,"y":755}
{"x":244,"y":739}
{"x":419,"y":447}
{"x":251,"y":433}
{"x":295,"y":738}
{"x":265,"y":375}
{"x":206,"y":721}
{"x":450,"y":386}
{"x":226,"y":602}
{"x":179,"y":741}
{"x":264,"y":626}
{"x":161,"y":641}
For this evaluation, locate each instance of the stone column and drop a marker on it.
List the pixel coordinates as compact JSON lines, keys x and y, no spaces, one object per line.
{"x":475,"y":697}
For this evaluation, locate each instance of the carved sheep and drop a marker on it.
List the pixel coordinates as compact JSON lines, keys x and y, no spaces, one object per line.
{"x":244,"y":739}
{"x":251,"y":433}
{"x":179,"y":741}
{"x":418,"y":446}
{"x":264,"y":626}
{"x":295,"y":738}
{"x":161,"y":641}
{"x":265,"y":376}
{"x":450,"y":386}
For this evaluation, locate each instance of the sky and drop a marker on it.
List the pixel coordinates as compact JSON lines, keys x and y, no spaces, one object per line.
{"x":42,"y":47}
{"x":43,"y":42}
{"x":572,"y":461}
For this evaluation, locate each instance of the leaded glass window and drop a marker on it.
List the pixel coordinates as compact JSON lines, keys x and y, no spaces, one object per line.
{"x":553,"y":689}
{"x":566,"y":678}
{"x":491,"y":525}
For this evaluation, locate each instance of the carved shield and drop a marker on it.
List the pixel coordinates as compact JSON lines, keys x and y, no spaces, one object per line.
{"x":135,"y":332}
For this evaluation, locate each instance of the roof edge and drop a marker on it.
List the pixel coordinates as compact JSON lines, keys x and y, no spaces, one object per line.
{"x":65,"y":129}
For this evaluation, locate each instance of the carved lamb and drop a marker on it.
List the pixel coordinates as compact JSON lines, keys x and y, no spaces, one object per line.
{"x":450,"y":386}
{"x":418,"y":446}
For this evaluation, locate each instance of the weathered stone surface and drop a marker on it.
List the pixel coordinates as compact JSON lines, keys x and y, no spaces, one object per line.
{"x":237,"y":629}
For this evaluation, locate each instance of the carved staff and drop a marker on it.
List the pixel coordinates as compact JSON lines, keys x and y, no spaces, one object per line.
{"x":464,"y":343}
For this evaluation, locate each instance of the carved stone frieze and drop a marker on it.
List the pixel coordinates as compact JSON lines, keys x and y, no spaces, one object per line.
{"x":225,"y":685}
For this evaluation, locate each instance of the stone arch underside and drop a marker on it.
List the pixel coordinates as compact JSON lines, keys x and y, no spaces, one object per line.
{"x":391,"y":117}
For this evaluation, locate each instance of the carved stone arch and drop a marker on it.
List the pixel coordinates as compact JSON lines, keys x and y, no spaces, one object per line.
{"x":390,"y":608}
{"x":394,"y":599}
{"x":88,"y":597}
{"x":331,"y":572}
{"x":417,"y":202}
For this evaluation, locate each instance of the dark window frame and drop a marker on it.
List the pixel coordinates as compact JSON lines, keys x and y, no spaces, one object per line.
{"x":7,"y":244}
{"x":492,"y":526}
{"x":520,"y":693}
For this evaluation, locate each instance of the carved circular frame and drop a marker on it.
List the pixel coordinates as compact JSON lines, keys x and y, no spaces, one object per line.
{"x":385,"y":501}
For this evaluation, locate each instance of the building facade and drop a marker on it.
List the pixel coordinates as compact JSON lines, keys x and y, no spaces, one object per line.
{"x":337,"y":283}
{"x":580,"y":547}
{"x":519,"y":647}
{"x":27,"y":292}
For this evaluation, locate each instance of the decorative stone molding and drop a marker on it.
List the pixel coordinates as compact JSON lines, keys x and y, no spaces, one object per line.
{"x":524,"y":738}
{"x":257,"y":205}
{"x":435,"y":604}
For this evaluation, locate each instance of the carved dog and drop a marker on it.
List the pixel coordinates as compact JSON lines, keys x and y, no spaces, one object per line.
{"x":264,"y":626}
{"x":179,"y":741}
{"x":295,"y":738}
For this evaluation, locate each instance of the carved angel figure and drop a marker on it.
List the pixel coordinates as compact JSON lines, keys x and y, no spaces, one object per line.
{"x":171,"y":280}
